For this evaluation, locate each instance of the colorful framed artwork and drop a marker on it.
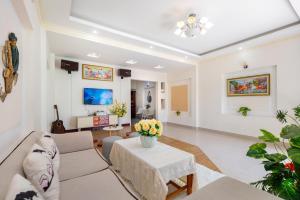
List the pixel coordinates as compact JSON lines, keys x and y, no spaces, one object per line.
{"x":93,"y":72}
{"x":258,"y":85}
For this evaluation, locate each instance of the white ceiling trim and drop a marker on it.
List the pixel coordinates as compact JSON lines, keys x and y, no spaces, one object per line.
{"x":296,"y":5}
{"x":131,"y":36}
{"x":107,"y":41}
{"x":23,"y":11}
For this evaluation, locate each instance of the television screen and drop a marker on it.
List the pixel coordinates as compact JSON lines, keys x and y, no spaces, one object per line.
{"x":93,"y":96}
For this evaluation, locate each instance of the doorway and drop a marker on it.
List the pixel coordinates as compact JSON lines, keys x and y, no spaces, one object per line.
{"x":143,"y":100}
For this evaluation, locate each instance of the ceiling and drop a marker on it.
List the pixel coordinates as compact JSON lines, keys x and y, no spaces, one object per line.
{"x":62,"y":46}
{"x":156,"y":19}
{"x":131,"y":27}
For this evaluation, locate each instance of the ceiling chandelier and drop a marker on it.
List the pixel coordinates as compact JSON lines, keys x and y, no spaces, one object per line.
{"x":192,"y":26}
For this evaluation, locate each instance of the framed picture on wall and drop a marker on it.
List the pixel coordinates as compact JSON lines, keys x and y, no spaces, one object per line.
{"x":258,"y":85}
{"x":100,"y":73}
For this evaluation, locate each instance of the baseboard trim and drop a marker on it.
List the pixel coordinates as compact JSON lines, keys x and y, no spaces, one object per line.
{"x":214,"y":131}
{"x":182,"y":125}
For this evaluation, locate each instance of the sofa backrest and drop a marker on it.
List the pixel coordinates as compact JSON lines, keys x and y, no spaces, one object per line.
{"x":13,"y":163}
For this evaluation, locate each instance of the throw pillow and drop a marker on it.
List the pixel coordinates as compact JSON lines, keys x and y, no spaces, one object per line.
{"x":20,"y":189}
{"x":38,"y":167}
{"x":48,"y":143}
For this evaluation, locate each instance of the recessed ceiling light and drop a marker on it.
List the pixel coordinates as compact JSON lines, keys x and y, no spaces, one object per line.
{"x":131,"y":62}
{"x":95,"y":31}
{"x":158,"y":67}
{"x":240,"y":48}
{"x":93,"y":55}
{"x":151,"y":47}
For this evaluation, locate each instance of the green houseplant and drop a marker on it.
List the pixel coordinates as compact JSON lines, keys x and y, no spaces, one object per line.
{"x":244,"y":110}
{"x":283,"y":167}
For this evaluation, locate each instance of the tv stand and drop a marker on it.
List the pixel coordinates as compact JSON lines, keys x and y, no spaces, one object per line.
{"x":92,"y":121}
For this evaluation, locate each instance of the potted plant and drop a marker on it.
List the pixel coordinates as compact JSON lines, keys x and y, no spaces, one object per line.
{"x":244,"y":110}
{"x":149,"y":130}
{"x":119,"y":109}
{"x":283,"y":167}
{"x":178,"y":112}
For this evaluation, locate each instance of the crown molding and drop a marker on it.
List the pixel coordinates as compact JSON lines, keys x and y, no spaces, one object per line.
{"x":118,"y":44}
{"x":131,"y":36}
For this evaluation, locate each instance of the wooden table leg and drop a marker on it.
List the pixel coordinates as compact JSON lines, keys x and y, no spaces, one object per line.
{"x":189,"y":184}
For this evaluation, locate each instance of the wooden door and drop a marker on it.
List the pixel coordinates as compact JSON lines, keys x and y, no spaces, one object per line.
{"x":133,"y":104}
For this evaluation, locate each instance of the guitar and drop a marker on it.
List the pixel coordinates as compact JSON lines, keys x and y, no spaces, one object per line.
{"x":57,"y":125}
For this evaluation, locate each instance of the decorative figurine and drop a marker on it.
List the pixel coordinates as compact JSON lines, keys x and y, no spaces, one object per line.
{"x":10,"y":59}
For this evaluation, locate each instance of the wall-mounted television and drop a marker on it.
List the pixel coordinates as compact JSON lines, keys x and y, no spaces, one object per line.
{"x":94,"y":96}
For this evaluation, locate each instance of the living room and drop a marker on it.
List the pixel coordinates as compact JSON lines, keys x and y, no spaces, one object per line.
{"x":215,"y":91}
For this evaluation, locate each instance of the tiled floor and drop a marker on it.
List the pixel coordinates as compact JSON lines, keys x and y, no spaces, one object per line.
{"x":227,"y":151}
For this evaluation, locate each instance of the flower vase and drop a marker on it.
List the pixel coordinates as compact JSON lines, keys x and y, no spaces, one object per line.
{"x":119,"y":122}
{"x":147,"y":141}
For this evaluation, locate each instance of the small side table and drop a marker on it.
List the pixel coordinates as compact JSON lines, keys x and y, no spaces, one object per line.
{"x":111,"y":129}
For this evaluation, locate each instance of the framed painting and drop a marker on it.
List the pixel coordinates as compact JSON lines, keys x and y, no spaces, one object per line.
{"x":100,"y":73}
{"x":258,"y":85}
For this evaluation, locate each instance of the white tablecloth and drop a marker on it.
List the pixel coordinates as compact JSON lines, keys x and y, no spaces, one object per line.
{"x":149,"y":169}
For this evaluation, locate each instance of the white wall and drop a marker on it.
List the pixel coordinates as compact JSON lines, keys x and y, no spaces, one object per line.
{"x":282,"y":54}
{"x":22,"y":110}
{"x":186,"y":77}
{"x":67,"y":90}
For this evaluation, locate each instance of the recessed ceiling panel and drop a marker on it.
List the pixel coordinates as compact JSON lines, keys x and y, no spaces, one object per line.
{"x":63,"y":46}
{"x":234,"y":20}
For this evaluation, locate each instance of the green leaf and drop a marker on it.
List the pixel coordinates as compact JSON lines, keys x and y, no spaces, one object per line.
{"x":268,"y":137}
{"x":273,"y":166}
{"x":281,"y":116}
{"x":288,"y":189}
{"x":297,"y":112}
{"x":257,"y":150}
{"x":276,"y":157}
{"x":290,"y":131}
{"x":295,"y":142}
{"x":294,"y":154}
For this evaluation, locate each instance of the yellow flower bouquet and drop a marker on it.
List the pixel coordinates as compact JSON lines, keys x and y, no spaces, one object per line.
{"x":149,"y":127}
{"x":150,"y":130}
{"x":119,"y":109}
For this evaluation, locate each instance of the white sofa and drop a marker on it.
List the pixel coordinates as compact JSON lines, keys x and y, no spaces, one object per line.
{"x":84,"y":174}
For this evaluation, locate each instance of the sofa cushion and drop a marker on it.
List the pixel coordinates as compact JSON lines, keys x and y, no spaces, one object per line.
{"x":100,"y":185}
{"x":13,"y":163}
{"x":39,"y":169}
{"x":20,"y":188}
{"x":80,"y":163}
{"x":230,"y":189}
{"x":49,"y":145}
{"x":70,"y":142}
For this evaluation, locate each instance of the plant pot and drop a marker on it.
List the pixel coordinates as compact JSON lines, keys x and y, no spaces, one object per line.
{"x":148,"y":142}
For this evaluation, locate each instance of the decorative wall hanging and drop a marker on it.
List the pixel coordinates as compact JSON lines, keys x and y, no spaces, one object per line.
{"x":179,"y":98}
{"x":258,"y":85}
{"x":10,"y":59}
{"x":93,"y":72}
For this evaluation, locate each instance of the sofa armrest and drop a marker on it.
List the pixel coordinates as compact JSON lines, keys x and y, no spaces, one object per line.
{"x":71,"y":142}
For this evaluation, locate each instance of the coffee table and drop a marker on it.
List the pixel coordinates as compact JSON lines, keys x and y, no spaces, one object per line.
{"x":112,"y":128}
{"x":151,"y":169}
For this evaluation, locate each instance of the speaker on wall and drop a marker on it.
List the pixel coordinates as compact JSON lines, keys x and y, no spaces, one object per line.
{"x":124,"y":73}
{"x":69,"y":65}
